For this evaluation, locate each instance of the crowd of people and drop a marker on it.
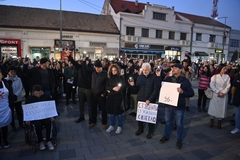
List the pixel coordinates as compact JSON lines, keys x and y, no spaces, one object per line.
{"x":113,"y":87}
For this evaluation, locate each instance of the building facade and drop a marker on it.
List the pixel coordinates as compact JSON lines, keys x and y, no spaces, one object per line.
{"x":234,"y":46}
{"x":82,"y":33}
{"x":155,"y":31}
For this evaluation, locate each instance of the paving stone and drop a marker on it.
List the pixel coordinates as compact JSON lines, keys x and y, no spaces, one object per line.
{"x":108,"y":155}
{"x":67,"y":154}
{"x":110,"y":147}
{"x":135,"y":157}
{"x":93,"y":156}
{"x":96,"y":149}
{"x":82,"y":151}
{"x":201,"y":154}
{"x":176,"y":158}
{"x":149,"y":156}
{"x":136,"y":142}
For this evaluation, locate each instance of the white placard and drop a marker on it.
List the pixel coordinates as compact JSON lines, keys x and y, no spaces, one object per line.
{"x":39,"y":110}
{"x":147,"y":113}
{"x":169,"y":94}
{"x":70,"y":81}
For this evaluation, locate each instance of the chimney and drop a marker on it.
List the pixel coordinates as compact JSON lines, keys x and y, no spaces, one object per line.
{"x":172,"y":7}
{"x":136,"y":3}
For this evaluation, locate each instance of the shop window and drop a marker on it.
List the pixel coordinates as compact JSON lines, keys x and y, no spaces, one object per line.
{"x":171,"y":35}
{"x":145,"y":32}
{"x":183,"y":36}
{"x":198,"y":36}
{"x":158,"y":33}
{"x":130,"y":31}
{"x":234,"y":43}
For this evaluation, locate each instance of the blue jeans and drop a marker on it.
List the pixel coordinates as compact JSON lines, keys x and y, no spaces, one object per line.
{"x":119,"y":117}
{"x":170,"y":113}
{"x":237,"y":117}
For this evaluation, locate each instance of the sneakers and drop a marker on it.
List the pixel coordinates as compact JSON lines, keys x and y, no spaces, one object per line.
{"x":164,"y":139}
{"x":179,"y":144}
{"x":110,"y":128}
{"x":6,"y":145}
{"x":50,"y":145}
{"x":236,"y":130}
{"x":42,"y":146}
{"x":119,"y":130}
{"x":80,"y":119}
{"x":139,"y":131}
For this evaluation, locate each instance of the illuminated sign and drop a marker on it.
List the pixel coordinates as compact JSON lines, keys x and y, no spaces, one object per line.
{"x":218,"y":51}
{"x":8,"y":49}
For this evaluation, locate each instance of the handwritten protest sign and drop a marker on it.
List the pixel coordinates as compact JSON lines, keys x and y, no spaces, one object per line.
{"x":169,"y":94}
{"x":147,"y":113}
{"x":39,"y":110}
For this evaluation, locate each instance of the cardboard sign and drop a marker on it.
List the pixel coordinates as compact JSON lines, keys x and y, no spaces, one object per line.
{"x":39,"y":110}
{"x":147,"y":113}
{"x":169,"y":94}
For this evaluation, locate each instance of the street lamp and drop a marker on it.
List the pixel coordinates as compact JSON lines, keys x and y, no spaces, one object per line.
{"x":224,"y":32}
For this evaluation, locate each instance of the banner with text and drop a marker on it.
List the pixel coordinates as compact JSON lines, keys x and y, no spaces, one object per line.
{"x":147,"y":113}
{"x":169,"y":94}
{"x":39,"y":110}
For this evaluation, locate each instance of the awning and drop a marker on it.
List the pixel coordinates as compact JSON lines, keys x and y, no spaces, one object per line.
{"x":110,"y":50}
{"x":143,"y":51}
{"x":200,"y":54}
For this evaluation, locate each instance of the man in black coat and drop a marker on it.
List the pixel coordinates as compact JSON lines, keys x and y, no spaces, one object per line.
{"x":148,"y":86}
{"x":99,"y":81}
{"x":85,"y":70}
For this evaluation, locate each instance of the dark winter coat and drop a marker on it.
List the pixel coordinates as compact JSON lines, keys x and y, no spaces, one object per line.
{"x":148,"y":87}
{"x":186,"y":86}
{"x":34,"y":99}
{"x":114,"y":99}
{"x":11,"y":96}
{"x":99,"y":81}
{"x":236,"y":97}
{"x":84,"y":73}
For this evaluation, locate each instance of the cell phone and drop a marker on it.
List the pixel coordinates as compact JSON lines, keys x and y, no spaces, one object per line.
{"x":130,"y":79}
{"x":119,"y":84}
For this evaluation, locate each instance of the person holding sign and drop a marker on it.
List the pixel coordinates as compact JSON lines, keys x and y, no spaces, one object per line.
{"x":39,"y":96}
{"x":148,"y":85}
{"x":177,"y":112}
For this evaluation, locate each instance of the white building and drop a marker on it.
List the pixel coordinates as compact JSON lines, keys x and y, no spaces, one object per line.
{"x":234,"y":46}
{"x":36,"y":32}
{"x":152,"y":31}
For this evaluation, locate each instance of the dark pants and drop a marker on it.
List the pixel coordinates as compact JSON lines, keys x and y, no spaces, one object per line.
{"x":84,"y":94}
{"x":230,"y":94}
{"x":4,"y":135}
{"x":150,"y":126}
{"x":70,"y":92}
{"x":202,"y":98}
{"x":39,"y":126}
{"x":100,"y":101}
{"x":18,"y":108}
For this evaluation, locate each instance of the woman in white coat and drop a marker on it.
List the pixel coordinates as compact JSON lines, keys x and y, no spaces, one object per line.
{"x":220,"y":85}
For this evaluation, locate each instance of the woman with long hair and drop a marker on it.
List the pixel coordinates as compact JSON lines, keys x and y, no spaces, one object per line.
{"x":204,"y":81}
{"x":115,"y":86}
{"x":220,"y":85}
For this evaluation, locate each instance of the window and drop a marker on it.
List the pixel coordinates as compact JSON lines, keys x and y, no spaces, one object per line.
{"x":212,"y":38}
{"x":159,"y":16}
{"x":234,"y":43}
{"x":145,"y":32}
{"x":130,"y":31}
{"x":158,"y":33}
{"x":183,"y":36}
{"x":171,"y":35}
{"x":198,"y":37}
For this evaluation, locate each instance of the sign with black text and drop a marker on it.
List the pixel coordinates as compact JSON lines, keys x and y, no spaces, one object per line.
{"x":169,"y":94}
{"x":147,"y":113}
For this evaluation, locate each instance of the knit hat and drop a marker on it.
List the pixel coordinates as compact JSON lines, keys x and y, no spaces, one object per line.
{"x":98,"y":63}
{"x":43,"y":60}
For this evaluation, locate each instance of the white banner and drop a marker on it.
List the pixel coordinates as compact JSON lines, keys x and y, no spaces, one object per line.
{"x":147,"y":113}
{"x":39,"y":110}
{"x":169,"y":94}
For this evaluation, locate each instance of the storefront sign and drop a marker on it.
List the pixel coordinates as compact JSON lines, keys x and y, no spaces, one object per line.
{"x":147,"y":113}
{"x":97,"y":44}
{"x":67,"y":36}
{"x":6,"y":49}
{"x":218,"y":51}
{"x":142,"y":46}
{"x":172,"y":48}
{"x":8,"y":41}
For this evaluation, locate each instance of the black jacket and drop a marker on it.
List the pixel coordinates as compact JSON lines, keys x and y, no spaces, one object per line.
{"x":34,"y":99}
{"x":148,"y":87}
{"x":99,"y":81}
{"x":236,"y":83}
{"x":84,"y":73}
{"x":186,"y":86}
{"x":11,"y":96}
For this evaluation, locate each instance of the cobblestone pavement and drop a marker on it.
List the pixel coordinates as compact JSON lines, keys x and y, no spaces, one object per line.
{"x":77,"y":142}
